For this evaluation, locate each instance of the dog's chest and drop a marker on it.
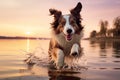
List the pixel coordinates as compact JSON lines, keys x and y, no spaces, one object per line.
{"x":67,"y":45}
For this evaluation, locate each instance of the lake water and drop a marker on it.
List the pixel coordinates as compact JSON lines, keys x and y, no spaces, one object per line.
{"x":101,"y":61}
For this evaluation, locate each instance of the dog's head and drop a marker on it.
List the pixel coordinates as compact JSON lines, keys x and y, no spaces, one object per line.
{"x":67,"y":24}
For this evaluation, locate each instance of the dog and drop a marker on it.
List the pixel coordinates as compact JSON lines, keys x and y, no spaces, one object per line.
{"x":67,"y":31}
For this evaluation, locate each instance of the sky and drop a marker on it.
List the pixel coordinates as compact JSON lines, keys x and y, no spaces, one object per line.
{"x":31,"y":17}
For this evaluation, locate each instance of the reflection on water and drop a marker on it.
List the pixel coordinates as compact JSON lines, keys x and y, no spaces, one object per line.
{"x":102,"y":59}
{"x":104,"y":45}
{"x":116,"y":47}
{"x":62,"y":76}
{"x":28,"y":45}
{"x":53,"y":74}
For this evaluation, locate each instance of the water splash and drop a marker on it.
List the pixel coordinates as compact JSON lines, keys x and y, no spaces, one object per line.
{"x":40,"y":58}
{"x":76,"y":64}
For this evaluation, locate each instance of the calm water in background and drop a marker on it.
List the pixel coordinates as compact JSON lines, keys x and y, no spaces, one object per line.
{"x":102,"y":61}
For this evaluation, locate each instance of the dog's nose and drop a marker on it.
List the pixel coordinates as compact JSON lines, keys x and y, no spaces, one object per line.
{"x":74,"y":54}
{"x":69,"y":31}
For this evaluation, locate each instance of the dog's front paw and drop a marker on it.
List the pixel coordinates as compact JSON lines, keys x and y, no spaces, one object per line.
{"x":75,"y":50}
{"x":59,"y":65}
{"x":60,"y":59}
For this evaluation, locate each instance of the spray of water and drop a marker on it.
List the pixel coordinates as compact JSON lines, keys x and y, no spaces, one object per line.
{"x":40,"y":57}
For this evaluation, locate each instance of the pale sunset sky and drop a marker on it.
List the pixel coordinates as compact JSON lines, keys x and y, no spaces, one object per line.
{"x":23,"y":17}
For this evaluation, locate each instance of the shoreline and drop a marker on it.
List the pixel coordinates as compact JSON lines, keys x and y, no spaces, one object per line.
{"x":18,"y":37}
{"x":103,"y":39}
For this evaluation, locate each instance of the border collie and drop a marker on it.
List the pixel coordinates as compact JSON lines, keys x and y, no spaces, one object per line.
{"x":66,"y":35}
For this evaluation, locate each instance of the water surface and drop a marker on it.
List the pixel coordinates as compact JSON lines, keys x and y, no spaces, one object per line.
{"x":101,"y":61}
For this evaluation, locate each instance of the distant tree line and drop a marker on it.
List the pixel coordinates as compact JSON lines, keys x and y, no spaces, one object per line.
{"x":113,"y":32}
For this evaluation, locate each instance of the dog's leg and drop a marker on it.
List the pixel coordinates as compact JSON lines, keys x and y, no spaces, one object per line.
{"x":75,"y":50}
{"x":58,"y":57}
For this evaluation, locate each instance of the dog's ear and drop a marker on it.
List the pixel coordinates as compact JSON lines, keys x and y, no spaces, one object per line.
{"x":55,"y":12}
{"x":76,"y":11}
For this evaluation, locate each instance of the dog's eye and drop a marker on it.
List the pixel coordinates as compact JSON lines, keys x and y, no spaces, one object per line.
{"x":63,"y":23}
{"x":72,"y":22}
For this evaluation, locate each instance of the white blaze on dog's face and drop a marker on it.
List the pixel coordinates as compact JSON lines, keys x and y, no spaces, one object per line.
{"x":68,"y":29}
